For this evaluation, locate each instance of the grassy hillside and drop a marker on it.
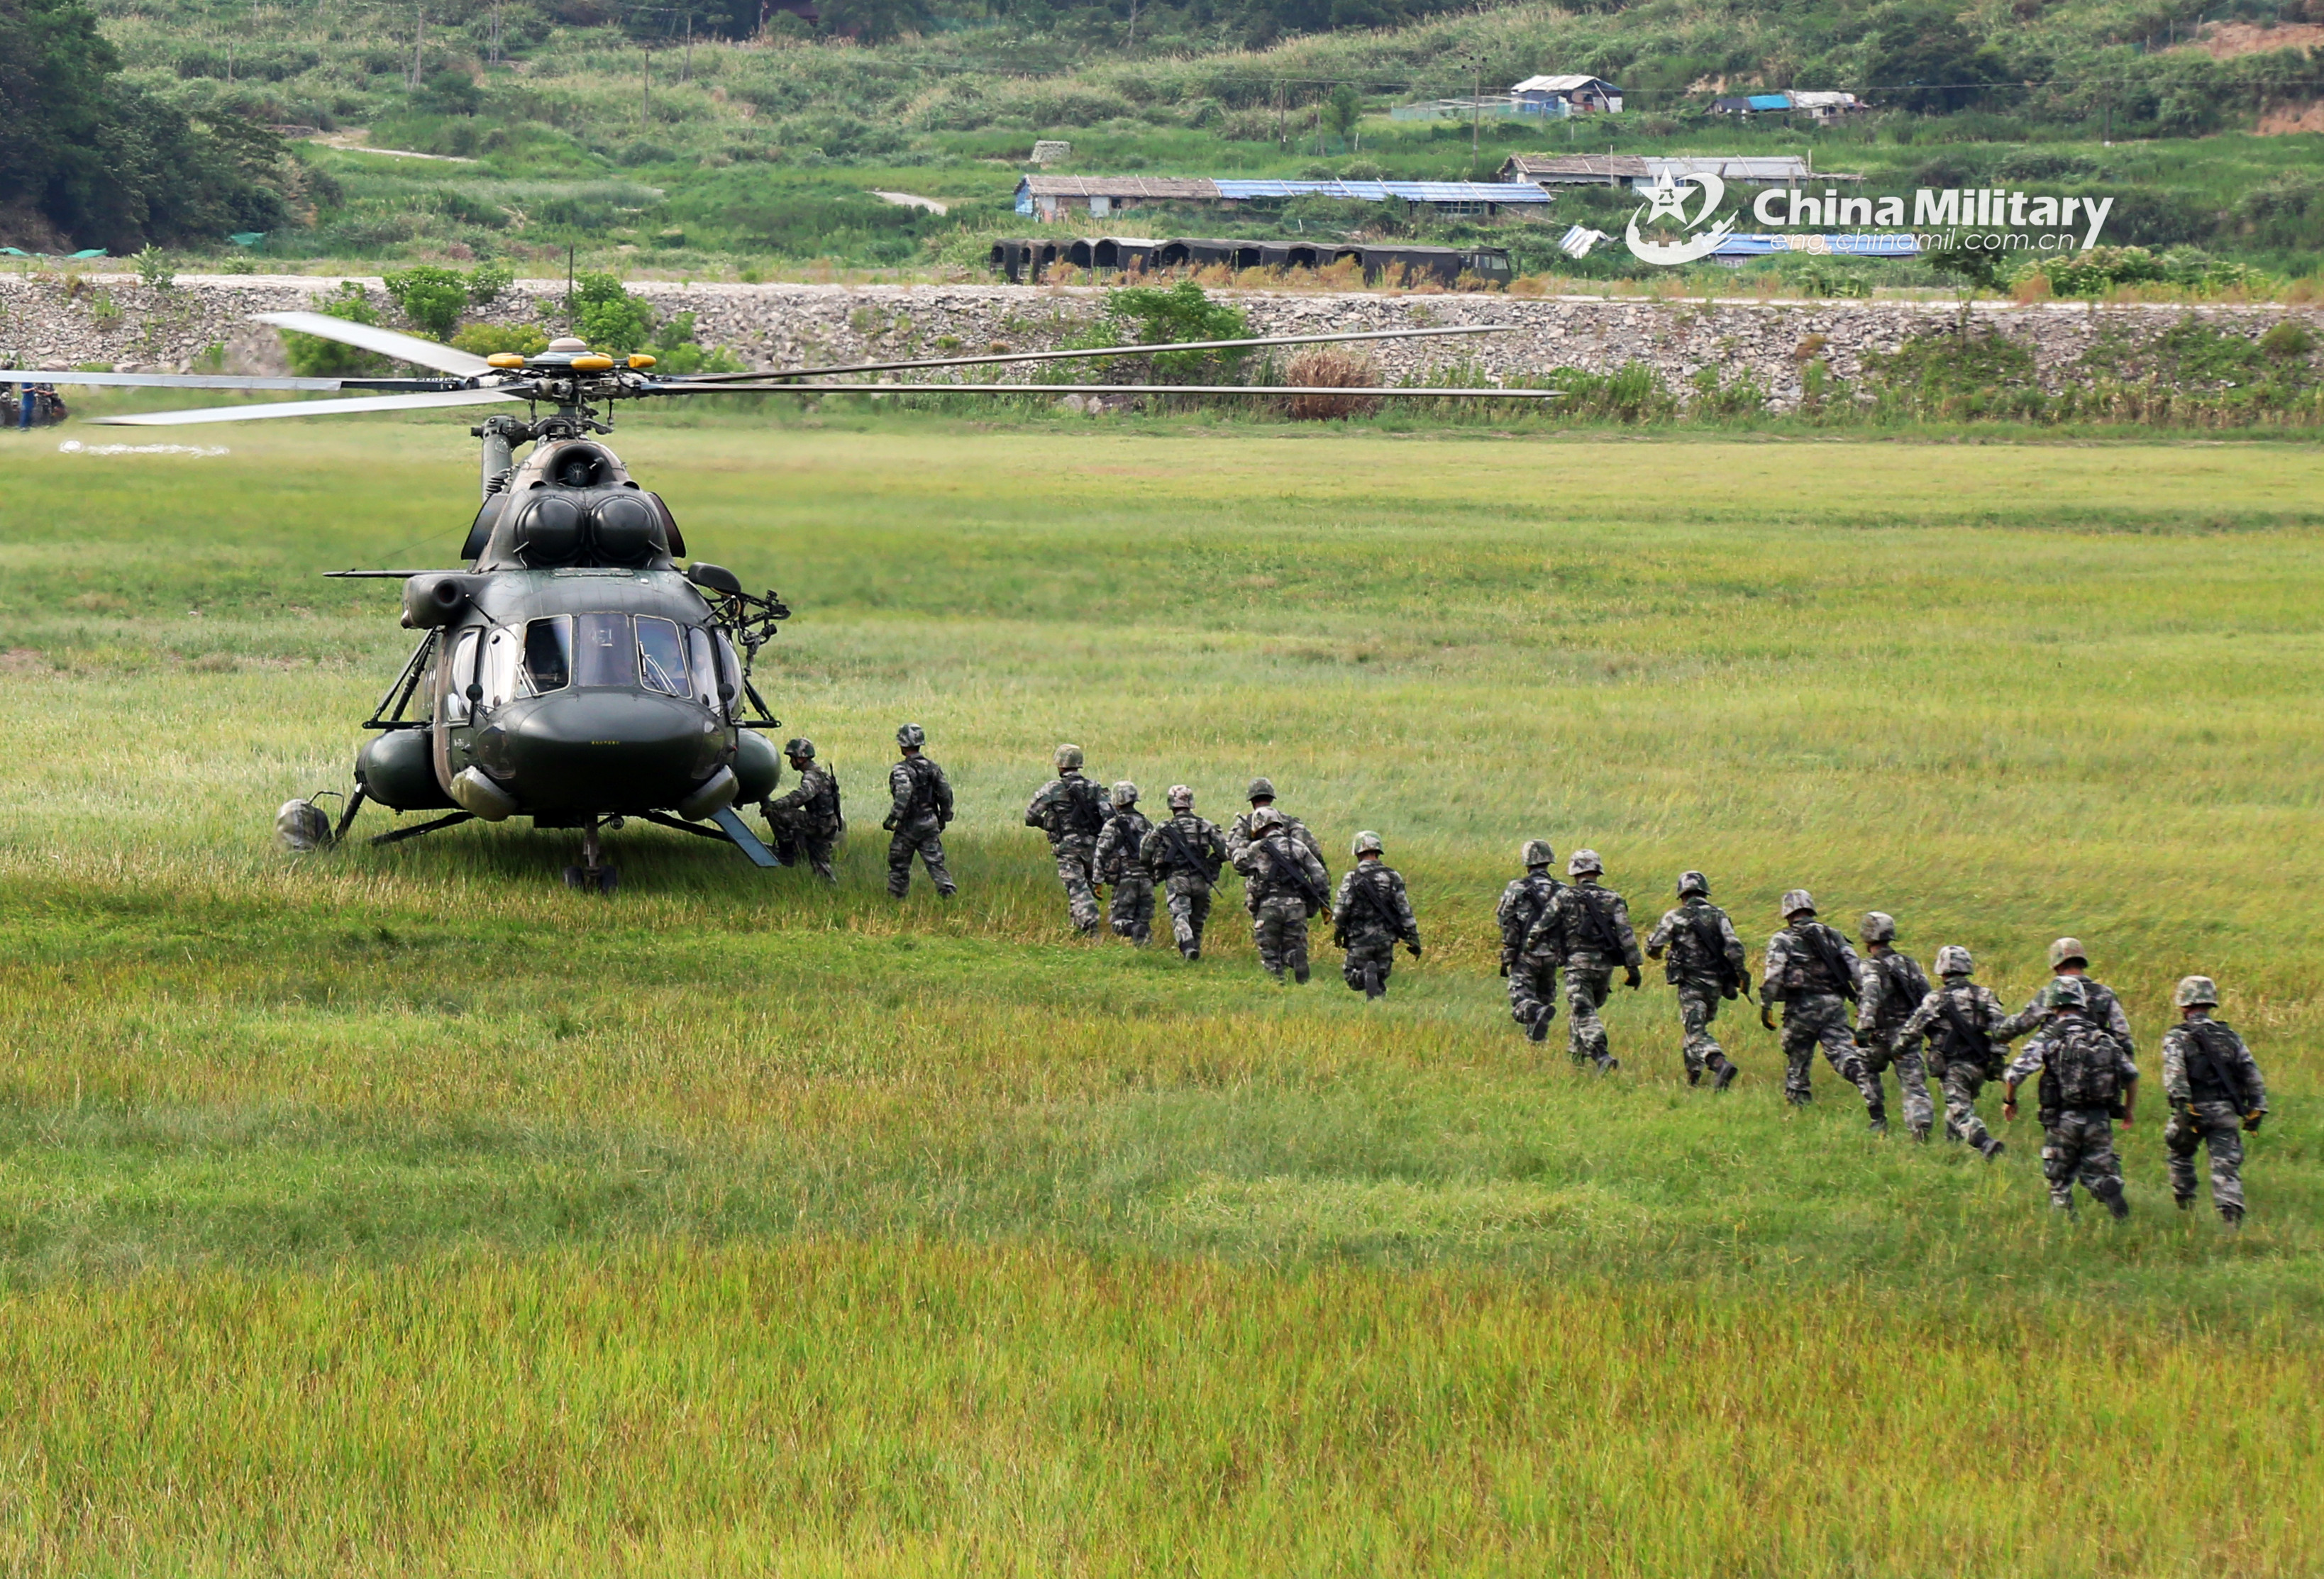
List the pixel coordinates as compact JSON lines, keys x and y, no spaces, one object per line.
{"x":402,"y":1211}
{"x":713,"y":156}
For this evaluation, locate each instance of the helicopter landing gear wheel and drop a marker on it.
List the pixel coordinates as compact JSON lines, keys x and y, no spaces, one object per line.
{"x":592,"y":874}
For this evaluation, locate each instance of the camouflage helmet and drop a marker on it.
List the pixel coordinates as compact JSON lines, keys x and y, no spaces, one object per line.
{"x":1536,"y":853}
{"x":1693,"y":882}
{"x":2067,"y":993}
{"x":1181,"y":799}
{"x":2067,"y":950}
{"x":800,"y":749}
{"x":1069,"y":758}
{"x":1125,"y":793}
{"x":2196,"y":992}
{"x":1794,"y":901}
{"x":1584,"y":862}
{"x":1879,"y":927}
{"x":1953,"y":960}
{"x":1367,"y":843}
{"x":1261,"y":790}
{"x":911,"y":737}
{"x":1265,"y":819}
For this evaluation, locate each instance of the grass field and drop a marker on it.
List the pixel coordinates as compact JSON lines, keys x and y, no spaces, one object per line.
{"x":403,"y":1212}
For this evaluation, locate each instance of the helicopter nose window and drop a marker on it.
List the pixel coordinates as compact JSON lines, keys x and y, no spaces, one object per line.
{"x":457,"y":671}
{"x":549,"y":653}
{"x":705,"y":668}
{"x":499,"y":678}
{"x":661,"y":657}
{"x":604,"y":654}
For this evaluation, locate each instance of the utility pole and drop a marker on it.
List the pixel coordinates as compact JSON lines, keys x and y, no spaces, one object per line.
{"x":1282,"y":123}
{"x":496,"y":31}
{"x":686,"y":73}
{"x":649,"y":98}
{"x":418,"y":40}
{"x":1132,"y":40}
{"x":1476,"y":112}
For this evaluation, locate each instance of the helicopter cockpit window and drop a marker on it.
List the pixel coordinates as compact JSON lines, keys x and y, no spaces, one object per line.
{"x":604,"y":654}
{"x":500,"y":670}
{"x":459,"y":670}
{"x":706,"y":666}
{"x":661,"y":655}
{"x":549,"y":653}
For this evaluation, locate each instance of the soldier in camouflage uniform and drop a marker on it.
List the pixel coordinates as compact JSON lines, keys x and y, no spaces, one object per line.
{"x":1705,"y":964}
{"x":2215,"y":1092}
{"x":1261,"y":795}
{"x":2067,"y":958}
{"x":1890,"y":986}
{"x":920,"y":809}
{"x":1122,"y":866}
{"x":807,"y":820}
{"x":1288,"y":884}
{"x":1533,"y":977}
{"x":1371,"y":915}
{"x":2087,"y":1084}
{"x":1587,"y":929}
{"x":1812,"y":973}
{"x":1073,"y":812}
{"x":1959,"y":1021}
{"x":1187,"y":853}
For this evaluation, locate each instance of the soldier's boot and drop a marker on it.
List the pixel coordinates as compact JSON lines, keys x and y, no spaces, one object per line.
{"x":1877,"y":1113}
{"x":2184,"y":1203}
{"x":2117,"y":1202}
{"x":1723,"y":1072}
{"x":1300,"y":972}
{"x":1992,"y":1148}
{"x":1372,"y":988}
{"x":1921,"y":1133}
{"x":1693,"y":1072}
{"x":2231,"y":1218}
{"x":1538,"y":1022}
{"x":1607,"y":1063}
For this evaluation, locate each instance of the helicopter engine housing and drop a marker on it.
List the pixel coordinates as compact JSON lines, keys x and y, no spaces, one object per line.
{"x":397,"y":768}
{"x":757,"y":769}
{"x":435,"y":600}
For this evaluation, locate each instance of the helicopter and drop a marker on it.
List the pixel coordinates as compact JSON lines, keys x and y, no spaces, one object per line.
{"x":572,"y":672}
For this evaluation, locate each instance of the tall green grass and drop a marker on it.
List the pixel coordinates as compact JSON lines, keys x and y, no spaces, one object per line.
{"x":400,"y":1210}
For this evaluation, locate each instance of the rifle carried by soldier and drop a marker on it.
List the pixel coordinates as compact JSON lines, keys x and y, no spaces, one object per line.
{"x":1264,"y":850}
{"x":1369,"y":893}
{"x":1175,"y":836}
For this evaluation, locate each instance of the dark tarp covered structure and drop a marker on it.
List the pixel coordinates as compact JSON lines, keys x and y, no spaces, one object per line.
{"x":1025,"y":260}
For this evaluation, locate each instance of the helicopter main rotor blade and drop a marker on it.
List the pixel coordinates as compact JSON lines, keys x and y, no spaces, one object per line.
{"x":176,"y":380}
{"x":394,"y":402}
{"x":386,"y":342}
{"x":1360,"y":391}
{"x":1134,"y":350}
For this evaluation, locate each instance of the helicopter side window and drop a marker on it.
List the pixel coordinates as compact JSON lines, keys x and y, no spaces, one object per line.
{"x":500,"y":676}
{"x":549,"y":653}
{"x":705,"y":666}
{"x":661,"y":655}
{"x":457,"y":671}
{"x":604,"y":654}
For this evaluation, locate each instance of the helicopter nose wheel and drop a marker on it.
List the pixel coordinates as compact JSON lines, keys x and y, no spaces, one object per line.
{"x":592,"y":874}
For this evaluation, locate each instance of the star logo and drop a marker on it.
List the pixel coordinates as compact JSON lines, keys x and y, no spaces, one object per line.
{"x":1667,"y":199}
{"x":1666,"y":203}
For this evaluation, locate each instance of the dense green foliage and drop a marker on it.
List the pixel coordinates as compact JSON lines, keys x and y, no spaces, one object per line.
{"x":730,"y":1224}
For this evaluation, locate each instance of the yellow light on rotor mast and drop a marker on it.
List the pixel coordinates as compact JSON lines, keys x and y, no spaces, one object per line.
{"x":595,"y":362}
{"x":641,"y":361}
{"x":505,"y":359}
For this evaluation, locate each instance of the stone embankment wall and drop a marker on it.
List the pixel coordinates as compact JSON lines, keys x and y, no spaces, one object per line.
{"x":63,"y":321}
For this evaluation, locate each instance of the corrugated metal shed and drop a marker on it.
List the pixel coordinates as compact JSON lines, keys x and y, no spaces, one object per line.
{"x":1852,"y":244}
{"x":1496,"y":192}
{"x":1163,"y":188}
{"x":1569,"y":83}
{"x":1754,"y":169}
{"x":1603,"y":169}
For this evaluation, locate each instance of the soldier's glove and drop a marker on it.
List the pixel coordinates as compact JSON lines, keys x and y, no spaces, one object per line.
{"x":1631,"y":977}
{"x":1504,"y":967}
{"x":1413,"y":949}
{"x":2187,"y":1115}
{"x":889,"y":822}
{"x":1728,"y":992}
{"x":1765,"y":1017}
{"x":2251,"y":1121}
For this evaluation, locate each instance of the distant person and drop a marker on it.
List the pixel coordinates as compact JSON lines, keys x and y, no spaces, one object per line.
{"x":1371,"y":915}
{"x":1957,"y":1021}
{"x":1261,"y":795}
{"x":921,"y":811}
{"x":2088,"y":1084}
{"x":806,"y":821}
{"x":2215,"y":1094}
{"x":1533,"y":975}
{"x":1285,"y":883}
{"x":1890,"y":986}
{"x":1120,"y":865}
{"x":1705,"y":963}
{"x":1185,"y":853}
{"x":1072,"y":811}
{"x":1587,"y":929}
{"x":1812,"y":973}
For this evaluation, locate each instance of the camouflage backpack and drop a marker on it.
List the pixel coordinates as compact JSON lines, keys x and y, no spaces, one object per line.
{"x":2087,"y":1062}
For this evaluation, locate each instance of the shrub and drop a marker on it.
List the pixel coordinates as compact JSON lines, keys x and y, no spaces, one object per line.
{"x":312,"y":357}
{"x":608,"y":317}
{"x":486,"y":282}
{"x":431,"y":298}
{"x":154,"y":268}
{"x":495,"y":339}
{"x":1150,"y":315}
{"x":1326,"y":367}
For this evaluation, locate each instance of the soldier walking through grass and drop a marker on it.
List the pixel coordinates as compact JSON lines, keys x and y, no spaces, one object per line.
{"x":1533,"y":977}
{"x":1287,"y":885}
{"x":919,"y":810}
{"x":2069,"y":958}
{"x":1812,"y":973}
{"x":2088,"y":1084}
{"x":1239,"y":833}
{"x":1371,"y":915}
{"x":1890,"y":986}
{"x":1073,"y":812}
{"x":1120,"y":866}
{"x":1958,"y":1021}
{"x":1185,"y":853}
{"x":2215,"y":1094}
{"x":1587,"y":929}
{"x":806,"y":821}
{"x":1705,"y":963}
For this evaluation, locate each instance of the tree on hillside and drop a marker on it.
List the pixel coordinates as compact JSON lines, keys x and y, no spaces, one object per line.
{"x":86,"y":156}
{"x":1924,"y":60}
